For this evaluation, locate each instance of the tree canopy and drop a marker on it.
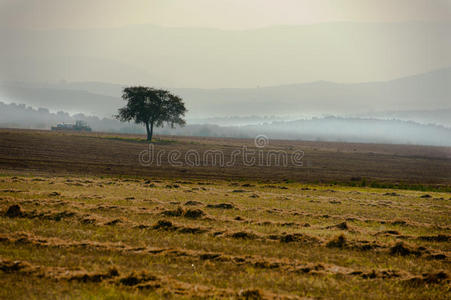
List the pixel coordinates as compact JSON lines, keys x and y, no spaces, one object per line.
{"x":151,"y":107}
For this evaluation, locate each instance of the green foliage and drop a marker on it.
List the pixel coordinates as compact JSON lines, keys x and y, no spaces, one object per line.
{"x":152,"y":107}
{"x":402,"y":186}
{"x":363,"y":182}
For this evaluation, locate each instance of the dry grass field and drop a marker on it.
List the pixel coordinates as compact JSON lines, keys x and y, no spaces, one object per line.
{"x":80,"y":218}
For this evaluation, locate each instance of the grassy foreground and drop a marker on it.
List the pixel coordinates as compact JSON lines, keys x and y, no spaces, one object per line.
{"x":107,"y":237}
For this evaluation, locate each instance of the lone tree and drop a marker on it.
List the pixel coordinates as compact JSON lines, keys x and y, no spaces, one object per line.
{"x":151,"y":107}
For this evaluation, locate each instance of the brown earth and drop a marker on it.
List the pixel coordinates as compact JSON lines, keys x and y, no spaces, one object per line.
{"x":113,"y":154}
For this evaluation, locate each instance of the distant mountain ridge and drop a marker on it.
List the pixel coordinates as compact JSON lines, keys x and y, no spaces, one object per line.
{"x":212,"y":58}
{"x":363,"y":130}
{"x":423,"y":92}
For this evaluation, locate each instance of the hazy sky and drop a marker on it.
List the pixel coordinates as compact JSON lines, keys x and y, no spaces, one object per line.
{"x":226,"y":14}
{"x":117,"y":41}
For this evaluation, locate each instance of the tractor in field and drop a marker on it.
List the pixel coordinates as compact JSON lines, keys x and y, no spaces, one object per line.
{"x":78,"y":126}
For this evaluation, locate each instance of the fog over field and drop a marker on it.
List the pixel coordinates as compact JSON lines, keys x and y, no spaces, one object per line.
{"x":239,"y":66}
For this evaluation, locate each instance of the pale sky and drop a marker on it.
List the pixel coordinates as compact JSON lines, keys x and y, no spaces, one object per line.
{"x":224,"y":14}
{"x":245,"y":46}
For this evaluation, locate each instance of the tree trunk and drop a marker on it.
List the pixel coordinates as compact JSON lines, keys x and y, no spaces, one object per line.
{"x":149,"y":129}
